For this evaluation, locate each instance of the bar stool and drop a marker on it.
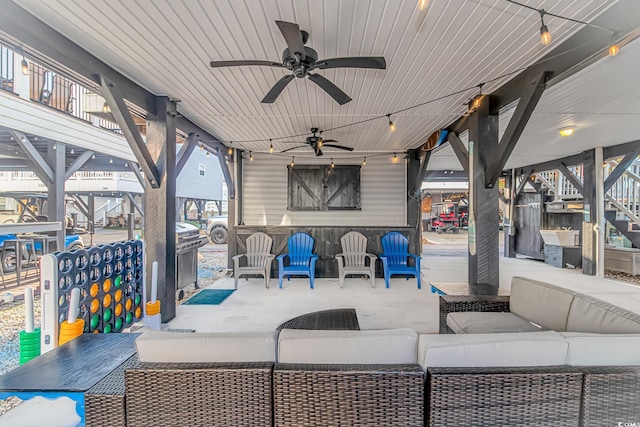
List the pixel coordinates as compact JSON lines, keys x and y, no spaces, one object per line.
{"x":21,"y":247}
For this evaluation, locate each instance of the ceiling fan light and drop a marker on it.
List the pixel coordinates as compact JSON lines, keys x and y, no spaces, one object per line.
{"x":320,"y":143}
{"x":566,"y":131}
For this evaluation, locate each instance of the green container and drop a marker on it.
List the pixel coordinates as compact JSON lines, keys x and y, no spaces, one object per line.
{"x":29,"y":345}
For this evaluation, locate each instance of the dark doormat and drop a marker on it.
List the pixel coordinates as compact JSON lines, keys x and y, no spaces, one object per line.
{"x":209,"y":297}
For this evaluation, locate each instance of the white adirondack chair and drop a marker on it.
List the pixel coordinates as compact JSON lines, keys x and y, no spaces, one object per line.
{"x":354,"y":256}
{"x":259,"y":258}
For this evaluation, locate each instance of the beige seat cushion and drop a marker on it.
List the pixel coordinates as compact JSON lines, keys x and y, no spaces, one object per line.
{"x":542,"y":303}
{"x":589,"y":314}
{"x":390,"y":346}
{"x":588,"y":349}
{"x":162,"y":347}
{"x":546,"y":348}
{"x":470,"y":322}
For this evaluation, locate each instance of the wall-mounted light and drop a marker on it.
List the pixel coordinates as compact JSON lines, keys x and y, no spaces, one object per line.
{"x":566,"y":131}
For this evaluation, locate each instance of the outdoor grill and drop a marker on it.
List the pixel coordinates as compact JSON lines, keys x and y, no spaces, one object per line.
{"x":188,"y":240}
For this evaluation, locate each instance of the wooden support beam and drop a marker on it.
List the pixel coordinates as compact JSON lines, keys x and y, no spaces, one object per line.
{"x":459,"y":149}
{"x":621,"y":149}
{"x":81,"y":205}
{"x":78,"y":163}
{"x":573,"y":160}
{"x":134,"y":167}
{"x":571,"y":177}
{"x":424,"y":157}
{"x":134,"y":203}
{"x":231,"y":190}
{"x":620,"y":168}
{"x":531,"y":94}
{"x":525,"y":177}
{"x":123,"y":118}
{"x":55,"y":188}
{"x":185,"y":152}
{"x":41,"y":168}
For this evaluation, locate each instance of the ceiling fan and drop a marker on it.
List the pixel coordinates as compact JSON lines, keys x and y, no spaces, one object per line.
{"x":301,"y":59}
{"x":316,"y":142}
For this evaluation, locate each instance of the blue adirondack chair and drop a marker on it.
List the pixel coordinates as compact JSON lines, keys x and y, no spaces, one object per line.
{"x":395,"y":256}
{"x":302,"y":261}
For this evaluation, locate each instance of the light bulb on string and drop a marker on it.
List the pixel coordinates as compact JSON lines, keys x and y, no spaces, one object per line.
{"x":293,"y":161}
{"x":614,"y":49}
{"x":72,"y":151}
{"x":201,"y":147}
{"x":332,"y":164}
{"x":364,"y":161}
{"x":392,"y":127}
{"x":93,"y":156}
{"x":545,"y":35}
{"x":105,"y":107}
{"x":55,"y":146}
{"x":395,"y":158}
{"x":477,"y":101}
{"x":208,"y":154}
{"x":250,"y":156}
{"x":270,"y":147}
{"x":111,"y":161}
{"x":230,"y":150}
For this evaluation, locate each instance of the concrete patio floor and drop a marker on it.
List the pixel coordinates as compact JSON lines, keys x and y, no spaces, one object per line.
{"x":403,"y":305}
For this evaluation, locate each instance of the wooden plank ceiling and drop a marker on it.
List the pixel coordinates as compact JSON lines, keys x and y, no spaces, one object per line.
{"x":166,"y":47}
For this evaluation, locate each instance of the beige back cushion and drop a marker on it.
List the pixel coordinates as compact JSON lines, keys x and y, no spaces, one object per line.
{"x":390,"y":346}
{"x":545,"y":348}
{"x":589,"y":314}
{"x":588,"y":349}
{"x":202,"y":347}
{"x":541,"y":303}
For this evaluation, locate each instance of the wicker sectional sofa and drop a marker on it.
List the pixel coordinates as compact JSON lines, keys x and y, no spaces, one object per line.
{"x":388,"y":377}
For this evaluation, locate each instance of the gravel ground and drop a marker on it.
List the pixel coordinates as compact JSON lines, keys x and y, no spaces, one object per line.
{"x":211,"y":267}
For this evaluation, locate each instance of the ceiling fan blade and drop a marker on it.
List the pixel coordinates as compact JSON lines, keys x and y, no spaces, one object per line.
{"x":376,"y":62}
{"x":328,"y":140}
{"x":277,"y":88}
{"x":342,"y":147}
{"x":293,"y":37}
{"x":217,"y":64}
{"x":334,"y":91}
{"x":293,"y":148}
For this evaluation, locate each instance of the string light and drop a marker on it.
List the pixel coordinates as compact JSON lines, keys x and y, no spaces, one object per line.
{"x":105,"y":107}
{"x":201,"y":147}
{"x":545,"y":35}
{"x":293,"y":161}
{"x":230,"y":150}
{"x":392,"y":127}
{"x":55,"y":146}
{"x":364,"y":161}
{"x":93,"y":156}
{"x":72,"y":151}
{"x":395,"y":158}
{"x":477,"y":101}
{"x":614,"y":49}
{"x":110,"y":160}
{"x":126,"y":164}
{"x":270,"y":147}
{"x":332,"y":164}
{"x":208,"y":154}
{"x":250,"y":156}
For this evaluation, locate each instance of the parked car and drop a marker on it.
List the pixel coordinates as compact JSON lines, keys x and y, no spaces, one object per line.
{"x":218,"y":230}
{"x":71,"y":242}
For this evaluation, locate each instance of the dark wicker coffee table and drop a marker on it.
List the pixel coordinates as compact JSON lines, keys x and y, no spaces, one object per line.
{"x":342,"y":319}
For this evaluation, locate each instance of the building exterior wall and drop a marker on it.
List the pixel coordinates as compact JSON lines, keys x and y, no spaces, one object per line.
{"x":191,"y":184}
{"x":383,"y":193}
